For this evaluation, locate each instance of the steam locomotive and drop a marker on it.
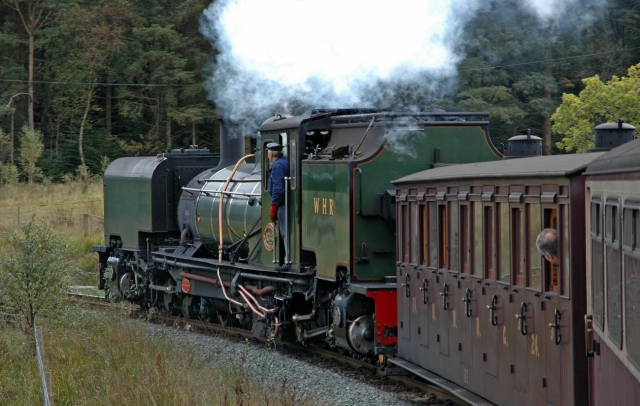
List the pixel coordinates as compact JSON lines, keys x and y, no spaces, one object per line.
{"x":394,"y":251}
{"x":189,"y":231}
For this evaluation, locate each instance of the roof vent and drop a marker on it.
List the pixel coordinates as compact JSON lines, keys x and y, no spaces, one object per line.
{"x":523,"y":146}
{"x":610,"y":135}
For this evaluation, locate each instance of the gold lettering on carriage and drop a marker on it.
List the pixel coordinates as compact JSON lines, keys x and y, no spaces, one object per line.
{"x":324,"y":206}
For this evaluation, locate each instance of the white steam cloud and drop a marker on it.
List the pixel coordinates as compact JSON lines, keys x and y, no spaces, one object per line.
{"x":553,"y":11}
{"x":290,"y":42}
{"x":284,"y":56}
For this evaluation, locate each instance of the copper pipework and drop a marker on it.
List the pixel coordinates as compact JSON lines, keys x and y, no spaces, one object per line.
{"x":224,"y":291}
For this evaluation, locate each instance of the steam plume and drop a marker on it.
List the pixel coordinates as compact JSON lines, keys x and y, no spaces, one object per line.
{"x":285,"y":56}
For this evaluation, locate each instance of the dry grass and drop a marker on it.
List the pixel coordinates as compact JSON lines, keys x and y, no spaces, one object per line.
{"x":105,"y":359}
{"x":74,"y":210}
{"x":78,"y":197}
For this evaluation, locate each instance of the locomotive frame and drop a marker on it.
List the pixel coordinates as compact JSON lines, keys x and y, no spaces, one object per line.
{"x":216,"y":263}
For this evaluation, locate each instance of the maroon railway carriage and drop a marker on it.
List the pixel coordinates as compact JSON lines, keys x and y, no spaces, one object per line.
{"x":479,"y":309}
{"x":613,"y":247}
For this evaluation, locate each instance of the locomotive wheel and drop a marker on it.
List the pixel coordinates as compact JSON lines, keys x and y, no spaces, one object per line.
{"x":167,"y":306}
{"x":225,"y":318}
{"x":187,"y":309}
{"x":361,"y":335}
{"x":125,"y":283}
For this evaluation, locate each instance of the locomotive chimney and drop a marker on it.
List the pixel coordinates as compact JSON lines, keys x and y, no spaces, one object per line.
{"x":231,"y":148}
{"x":523,"y":146}
{"x":610,"y":135}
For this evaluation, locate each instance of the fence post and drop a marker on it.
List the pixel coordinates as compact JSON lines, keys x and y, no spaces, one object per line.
{"x":43,"y":374}
{"x":85,"y":222}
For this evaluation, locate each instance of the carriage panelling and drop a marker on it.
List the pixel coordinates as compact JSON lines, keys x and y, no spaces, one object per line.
{"x":505,"y":312}
{"x":613,"y":201}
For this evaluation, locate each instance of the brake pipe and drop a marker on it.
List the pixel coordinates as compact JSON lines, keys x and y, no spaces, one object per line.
{"x":225,"y":291}
{"x":264,"y":309}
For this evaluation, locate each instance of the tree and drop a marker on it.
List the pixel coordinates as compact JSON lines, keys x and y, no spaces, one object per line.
{"x":31,"y":148}
{"x":599,"y":102}
{"x":536,"y":89}
{"x":33,"y":271}
{"x":158,"y":61}
{"x":96,"y":33}
{"x":34,"y":16}
{"x":499,"y":101}
{"x":7,"y":170}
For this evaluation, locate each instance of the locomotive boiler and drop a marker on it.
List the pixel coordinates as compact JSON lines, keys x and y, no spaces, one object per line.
{"x":189,"y":232}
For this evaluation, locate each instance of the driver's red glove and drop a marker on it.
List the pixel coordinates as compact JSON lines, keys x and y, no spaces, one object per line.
{"x":274,"y":212}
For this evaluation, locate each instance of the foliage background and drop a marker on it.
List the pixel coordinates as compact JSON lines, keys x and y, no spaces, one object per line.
{"x":116,"y":76}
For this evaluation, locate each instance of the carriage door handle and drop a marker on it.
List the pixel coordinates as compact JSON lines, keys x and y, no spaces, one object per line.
{"x":556,"y":327}
{"x":492,"y":310}
{"x":425,"y":293}
{"x":591,"y":351}
{"x":467,"y":300}
{"x":523,"y":318}
{"x":407,"y":287}
{"x":445,"y":294}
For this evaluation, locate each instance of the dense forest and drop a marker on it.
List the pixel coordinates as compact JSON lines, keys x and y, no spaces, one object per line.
{"x":82,"y":82}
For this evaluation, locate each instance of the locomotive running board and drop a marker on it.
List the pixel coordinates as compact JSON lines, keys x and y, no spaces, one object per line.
{"x":439,"y":381}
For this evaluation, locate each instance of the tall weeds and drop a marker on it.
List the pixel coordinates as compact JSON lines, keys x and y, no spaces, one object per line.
{"x":101,"y":358}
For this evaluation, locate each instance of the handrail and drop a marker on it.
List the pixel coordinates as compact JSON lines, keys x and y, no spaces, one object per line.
{"x":224,"y":189}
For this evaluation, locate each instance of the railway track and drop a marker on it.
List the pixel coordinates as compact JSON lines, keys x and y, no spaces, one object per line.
{"x":415,"y":391}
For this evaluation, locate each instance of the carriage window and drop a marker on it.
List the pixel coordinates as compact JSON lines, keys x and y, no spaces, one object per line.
{"x":415,"y":234}
{"x":424,"y":244}
{"x":613,"y":274}
{"x":535,"y":275}
{"x":405,"y":234}
{"x":433,"y":232}
{"x":597,"y":266}
{"x":477,"y":239}
{"x":610,"y":222}
{"x":442,"y":236}
{"x":551,"y":270}
{"x":505,"y":265}
{"x":595,"y":218}
{"x":465,"y":238}
{"x":489,"y":252}
{"x":453,"y":234}
{"x":631,"y":219}
{"x":566,"y":257}
{"x":517,"y":245}
{"x":632,"y":309}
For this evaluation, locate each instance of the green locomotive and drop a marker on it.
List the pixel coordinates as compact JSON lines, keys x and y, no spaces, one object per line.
{"x":222,"y":259}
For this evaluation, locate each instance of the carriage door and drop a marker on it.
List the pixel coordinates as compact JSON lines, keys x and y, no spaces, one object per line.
{"x":555,"y":310}
{"x":404,"y":277}
{"x":441,"y":308}
{"x":498,"y":316}
{"x":416,"y":273}
{"x":423,"y":293}
{"x":519,"y":320}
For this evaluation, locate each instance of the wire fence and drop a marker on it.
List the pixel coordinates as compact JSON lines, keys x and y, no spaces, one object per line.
{"x":15,"y":217}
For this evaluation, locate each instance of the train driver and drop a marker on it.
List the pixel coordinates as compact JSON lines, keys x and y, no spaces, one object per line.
{"x":279,"y":170}
{"x":547,"y":244}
